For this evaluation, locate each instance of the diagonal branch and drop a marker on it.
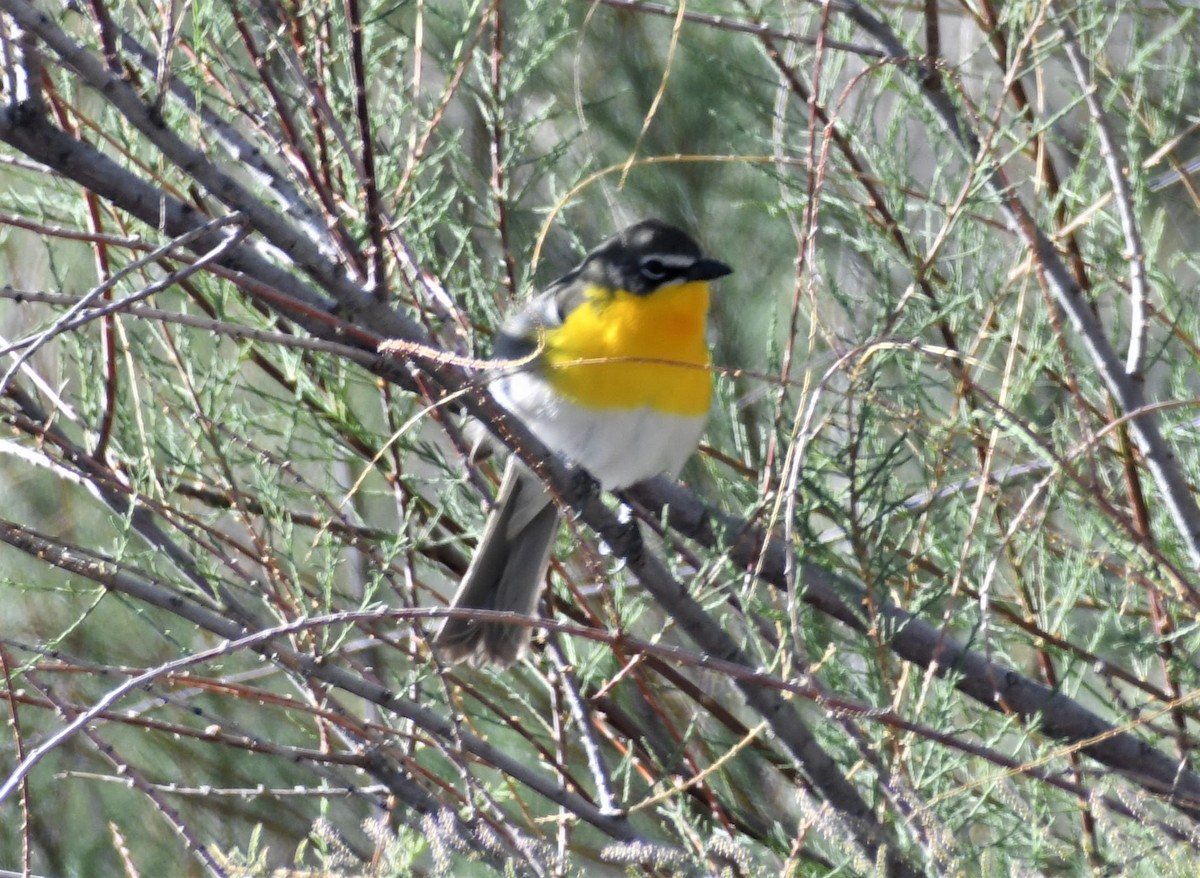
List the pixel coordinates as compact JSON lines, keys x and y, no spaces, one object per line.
{"x":270,"y":645}
{"x":145,"y":118}
{"x":1135,"y":251}
{"x":29,"y":132}
{"x":1126,"y":387}
{"x":992,"y":684}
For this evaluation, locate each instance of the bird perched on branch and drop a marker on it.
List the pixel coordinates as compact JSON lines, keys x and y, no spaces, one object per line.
{"x":613,"y":376}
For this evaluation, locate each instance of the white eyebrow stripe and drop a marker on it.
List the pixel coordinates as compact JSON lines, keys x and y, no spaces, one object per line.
{"x":673,"y":260}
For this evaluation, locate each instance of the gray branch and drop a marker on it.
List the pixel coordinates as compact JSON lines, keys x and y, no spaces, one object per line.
{"x":1125,"y":386}
{"x":992,"y":684}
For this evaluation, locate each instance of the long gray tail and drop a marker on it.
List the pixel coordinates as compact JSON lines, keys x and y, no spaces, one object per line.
{"x":507,"y":573}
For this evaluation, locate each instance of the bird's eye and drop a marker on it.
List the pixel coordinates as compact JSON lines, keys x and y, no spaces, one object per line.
{"x":653,"y":269}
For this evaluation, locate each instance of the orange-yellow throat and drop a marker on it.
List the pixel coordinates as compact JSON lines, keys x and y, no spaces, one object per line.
{"x":618,"y":350}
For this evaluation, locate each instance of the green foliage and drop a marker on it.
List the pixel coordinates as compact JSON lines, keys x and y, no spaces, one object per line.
{"x":903,"y":407}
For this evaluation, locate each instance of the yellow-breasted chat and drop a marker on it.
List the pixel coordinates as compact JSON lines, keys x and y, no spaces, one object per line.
{"x":614,"y":377}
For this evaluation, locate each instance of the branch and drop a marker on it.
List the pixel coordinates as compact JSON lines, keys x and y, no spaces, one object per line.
{"x":29,"y":132}
{"x":992,"y":684}
{"x":1126,"y":388}
{"x":1135,"y":252}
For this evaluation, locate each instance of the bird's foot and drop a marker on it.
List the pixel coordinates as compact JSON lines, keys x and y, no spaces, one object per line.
{"x":582,"y":488}
{"x":624,"y":536}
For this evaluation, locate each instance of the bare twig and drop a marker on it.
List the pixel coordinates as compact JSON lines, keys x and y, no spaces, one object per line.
{"x":991,"y":684}
{"x":1126,"y":388}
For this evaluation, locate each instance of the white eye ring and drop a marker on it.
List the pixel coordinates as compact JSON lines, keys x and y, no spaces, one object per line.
{"x":653,"y":269}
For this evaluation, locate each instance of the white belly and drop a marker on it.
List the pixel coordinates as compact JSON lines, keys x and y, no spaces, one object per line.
{"x":617,"y":446}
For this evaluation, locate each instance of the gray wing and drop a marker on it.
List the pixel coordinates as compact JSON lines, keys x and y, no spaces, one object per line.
{"x":521,"y":334}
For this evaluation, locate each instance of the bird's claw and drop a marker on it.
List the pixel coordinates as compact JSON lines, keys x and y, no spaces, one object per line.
{"x":582,"y":488}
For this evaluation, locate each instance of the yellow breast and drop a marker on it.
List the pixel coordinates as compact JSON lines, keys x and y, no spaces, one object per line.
{"x":618,"y":350}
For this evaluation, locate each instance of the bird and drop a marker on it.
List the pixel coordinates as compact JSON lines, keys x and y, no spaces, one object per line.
{"x":613,"y":375}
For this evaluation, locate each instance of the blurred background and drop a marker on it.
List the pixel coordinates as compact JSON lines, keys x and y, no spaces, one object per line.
{"x":903,"y":407}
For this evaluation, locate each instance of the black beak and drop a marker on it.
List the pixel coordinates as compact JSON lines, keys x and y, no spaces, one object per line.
{"x":707,"y":269}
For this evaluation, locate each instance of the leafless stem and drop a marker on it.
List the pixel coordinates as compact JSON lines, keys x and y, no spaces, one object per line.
{"x":1125,"y":387}
{"x":1115,"y":162}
